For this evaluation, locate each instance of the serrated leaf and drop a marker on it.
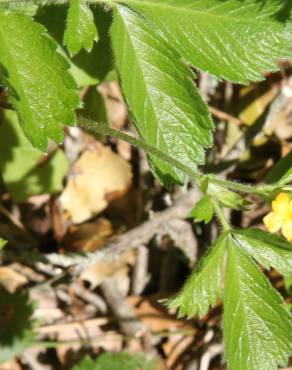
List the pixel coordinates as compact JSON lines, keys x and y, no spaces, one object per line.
{"x":41,"y":89}
{"x":227,"y":198}
{"x":163,"y":101}
{"x":203,"y":210}
{"x":268,"y":249}
{"x":116,"y":361}
{"x":257,"y":327}
{"x":80,"y":31}
{"x":16,"y":325}
{"x":86,"y":68}
{"x":204,"y":286}
{"x":231,"y":39}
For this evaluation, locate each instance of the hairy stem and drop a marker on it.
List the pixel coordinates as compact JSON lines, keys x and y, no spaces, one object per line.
{"x":95,"y":128}
{"x":220,"y":215}
{"x":232,"y":185}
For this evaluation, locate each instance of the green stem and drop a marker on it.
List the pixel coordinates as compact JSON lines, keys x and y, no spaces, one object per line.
{"x":232,"y":185}
{"x":221,"y":217}
{"x":96,"y":129}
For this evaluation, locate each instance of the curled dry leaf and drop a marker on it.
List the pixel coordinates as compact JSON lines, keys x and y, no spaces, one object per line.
{"x":100,"y":175}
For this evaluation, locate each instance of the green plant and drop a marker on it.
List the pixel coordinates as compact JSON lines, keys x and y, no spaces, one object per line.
{"x":155,"y":43}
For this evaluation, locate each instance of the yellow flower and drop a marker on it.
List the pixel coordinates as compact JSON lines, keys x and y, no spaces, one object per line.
{"x":281,"y":216}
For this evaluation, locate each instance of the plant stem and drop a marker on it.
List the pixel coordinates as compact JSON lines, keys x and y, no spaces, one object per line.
{"x":232,"y":185}
{"x":220,"y":215}
{"x":95,"y":129}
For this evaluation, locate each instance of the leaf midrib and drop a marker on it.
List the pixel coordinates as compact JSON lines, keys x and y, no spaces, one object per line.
{"x":197,"y":12}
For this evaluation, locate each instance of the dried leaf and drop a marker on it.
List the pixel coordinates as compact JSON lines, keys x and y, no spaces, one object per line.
{"x":99,"y":176}
{"x":11,"y":280}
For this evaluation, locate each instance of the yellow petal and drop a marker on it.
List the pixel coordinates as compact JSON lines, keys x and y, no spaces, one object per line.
{"x":273,"y":222}
{"x":287,"y":229}
{"x":281,"y":203}
{"x":290,"y":209}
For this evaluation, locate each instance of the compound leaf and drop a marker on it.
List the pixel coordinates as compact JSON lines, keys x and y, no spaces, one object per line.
{"x":257,"y":327}
{"x":81,"y":31}
{"x":268,"y":249}
{"x":204,"y":286}
{"x":41,"y":89}
{"x":231,"y":39}
{"x":164,"y":103}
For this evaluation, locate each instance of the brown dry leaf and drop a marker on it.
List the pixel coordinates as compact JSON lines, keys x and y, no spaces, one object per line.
{"x":89,"y":236}
{"x":100,"y":176}
{"x":11,"y":280}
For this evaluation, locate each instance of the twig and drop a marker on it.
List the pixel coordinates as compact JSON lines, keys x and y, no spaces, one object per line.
{"x":76,"y":263}
{"x":225,"y":116}
{"x":212,"y":352}
{"x":140,"y":270}
{"x":129,"y":322}
{"x":49,"y":329}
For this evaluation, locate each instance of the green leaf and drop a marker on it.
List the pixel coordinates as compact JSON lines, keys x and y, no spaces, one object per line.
{"x":26,"y":8}
{"x":257,"y":327}
{"x":164,"y":103}
{"x":116,"y":361}
{"x":204,"y":286}
{"x":227,"y":198}
{"x":86,"y":68}
{"x":231,"y":39}
{"x":24,"y":169}
{"x":41,"y":89}
{"x":281,"y":173}
{"x":80,"y":31}
{"x":16,"y":325}
{"x":2,"y":243}
{"x":203,"y":210}
{"x":268,"y":249}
